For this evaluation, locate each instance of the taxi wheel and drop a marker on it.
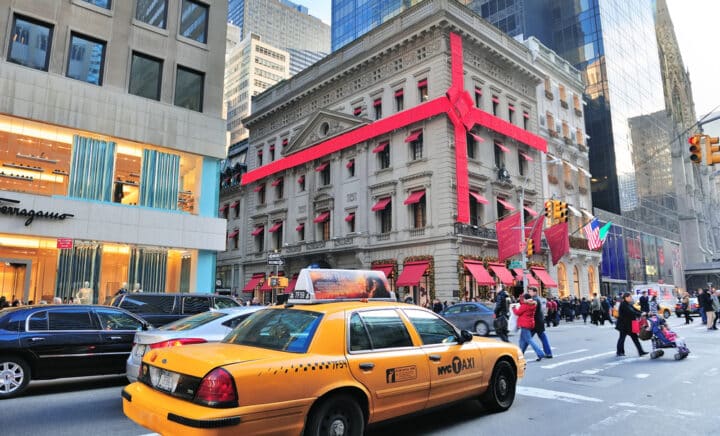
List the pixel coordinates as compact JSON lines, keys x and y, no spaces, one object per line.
{"x":14,"y":376}
{"x":500,"y":393}
{"x":339,"y":415}
{"x":482,"y":329}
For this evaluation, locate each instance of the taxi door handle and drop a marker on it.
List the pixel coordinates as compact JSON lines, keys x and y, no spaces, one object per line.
{"x":37,"y":339}
{"x":115,"y":338}
{"x":435,"y":357}
{"x":367,"y":366}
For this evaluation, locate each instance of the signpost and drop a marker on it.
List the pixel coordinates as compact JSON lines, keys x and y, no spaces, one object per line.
{"x":276,"y":260}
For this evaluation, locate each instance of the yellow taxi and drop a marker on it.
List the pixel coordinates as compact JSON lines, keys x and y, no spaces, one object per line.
{"x":340,"y":354}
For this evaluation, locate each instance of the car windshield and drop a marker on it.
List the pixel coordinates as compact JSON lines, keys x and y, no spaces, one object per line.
{"x":194,"y":321}
{"x":281,"y":329}
{"x":224,"y":303}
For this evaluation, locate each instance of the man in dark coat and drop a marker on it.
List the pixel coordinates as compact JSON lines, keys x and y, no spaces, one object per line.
{"x":644,"y":302}
{"x":501,"y":315}
{"x":626,"y":314}
{"x":539,"y":328}
{"x":705,"y":303}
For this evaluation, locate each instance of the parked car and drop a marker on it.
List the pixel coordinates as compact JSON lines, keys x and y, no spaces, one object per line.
{"x":56,"y":341}
{"x":210,"y":326}
{"x":475,"y":317}
{"x":162,"y":308}
{"x":330,"y":362}
{"x":694,"y":307}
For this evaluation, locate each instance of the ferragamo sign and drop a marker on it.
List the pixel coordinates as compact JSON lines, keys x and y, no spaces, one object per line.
{"x":29,"y":214}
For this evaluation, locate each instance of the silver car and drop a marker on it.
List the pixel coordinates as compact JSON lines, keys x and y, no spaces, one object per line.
{"x":211,"y":326}
{"x":475,"y":317}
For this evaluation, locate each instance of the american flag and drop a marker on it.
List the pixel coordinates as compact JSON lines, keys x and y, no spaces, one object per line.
{"x":592,"y":233}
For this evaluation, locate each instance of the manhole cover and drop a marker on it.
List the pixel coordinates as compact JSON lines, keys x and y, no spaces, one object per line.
{"x":587,"y":379}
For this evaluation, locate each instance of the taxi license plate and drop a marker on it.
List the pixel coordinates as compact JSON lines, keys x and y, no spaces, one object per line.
{"x":167,"y":381}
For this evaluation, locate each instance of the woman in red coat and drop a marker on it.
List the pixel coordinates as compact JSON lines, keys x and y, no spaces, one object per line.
{"x":526,"y":322}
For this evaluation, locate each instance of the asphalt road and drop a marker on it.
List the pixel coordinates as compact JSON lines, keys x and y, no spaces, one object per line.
{"x":583,"y":390}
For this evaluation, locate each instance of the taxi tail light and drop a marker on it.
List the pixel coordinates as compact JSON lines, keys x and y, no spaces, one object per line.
{"x":177,"y":342}
{"x":217,"y":389}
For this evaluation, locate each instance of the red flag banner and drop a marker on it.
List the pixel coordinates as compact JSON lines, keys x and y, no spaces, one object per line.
{"x":509,"y":236}
{"x":558,"y":241}
{"x":533,"y":230}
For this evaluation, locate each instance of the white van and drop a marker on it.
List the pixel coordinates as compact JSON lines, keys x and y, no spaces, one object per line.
{"x":665,"y":294}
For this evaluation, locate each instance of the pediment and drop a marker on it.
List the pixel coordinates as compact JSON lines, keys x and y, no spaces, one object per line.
{"x":324,"y":125}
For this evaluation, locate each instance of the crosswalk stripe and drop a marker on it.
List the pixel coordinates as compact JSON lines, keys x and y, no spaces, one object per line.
{"x":554,"y":395}
{"x":580,"y":359}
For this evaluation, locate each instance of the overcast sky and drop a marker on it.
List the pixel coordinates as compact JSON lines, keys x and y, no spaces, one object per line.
{"x":695,"y":22}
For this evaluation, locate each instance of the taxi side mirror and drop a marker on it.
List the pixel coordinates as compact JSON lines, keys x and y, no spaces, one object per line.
{"x":465,"y":336}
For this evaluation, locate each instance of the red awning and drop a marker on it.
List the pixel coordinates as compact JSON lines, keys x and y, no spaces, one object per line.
{"x":495,"y":99}
{"x":530,"y":211}
{"x":531,"y":280}
{"x":414,"y":136}
{"x":502,"y":273}
{"x":300,"y":227}
{"x":526,"y":156}
{"x":275,"y":227}
{"x":377,"y":102}
{"x":272,"y":147}
{"x":526,"y":115}
{"x":412,"y":273}
{"x":277,"y":181}
{"x":399,"y":93}
{"x":284,"y":142}
{"x":322,"y":166}
{"x":252,"y":284}
{"x":478,"y":138}
{"x":386,"y":268}
{"x":479,"y":272}
{"x":258,"y":188}
{"x":478,"y":91}
{"x":511,"y":107}
{"x":301,"y":179}
{"x":381,"y":204}
{"x":291,"y":284}
{"x":381,"y":147}
{"x":505,"y":204}
{"x":350,"y":217}
{"x":322,"y":217}
{"x":422,"y":83}
{"x":501,"y":146}
{"x":350,"y":163}
{"x":415,"y":197}
{"x":357,"y":111}
{"x":544,"y":277}
{"x":223,"y":208}
{"x":233,"y":234}
{"x":235,"y":204}
{"x":479,"y":198}
{"x":258,"y":230}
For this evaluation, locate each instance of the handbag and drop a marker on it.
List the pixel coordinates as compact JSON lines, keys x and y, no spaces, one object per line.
{"x":500,"y":323}
{"x":635,"y":326}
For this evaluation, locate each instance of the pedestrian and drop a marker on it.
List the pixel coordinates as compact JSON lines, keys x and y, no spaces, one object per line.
{"x":716,"y":306}
{"x":626,"y":315}
{"x":706,"y":307}
{"x":501,"y":314}
{"x":551,"y":312}
{"x":437,"y":306}
{"x":539,"y":328}
{"x":605,"y":312}
{"x":700,"y":296}
{"x":526,"y":323}
{"x":685,"y":307}
{"x":644,"y":302}
{"x":584,"y":309}
{"x":652,"y":305}
{"x":595,"y":310}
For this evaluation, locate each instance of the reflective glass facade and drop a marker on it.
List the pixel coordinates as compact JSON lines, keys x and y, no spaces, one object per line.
{"x":353,"y":18}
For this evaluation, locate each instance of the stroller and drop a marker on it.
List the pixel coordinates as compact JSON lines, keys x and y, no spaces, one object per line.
{"x":661,"y":337}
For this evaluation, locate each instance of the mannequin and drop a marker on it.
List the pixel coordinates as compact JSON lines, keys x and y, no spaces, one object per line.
{"x":123,"y":289}
{"x":137,"y":288}
{"x":84,"y":294}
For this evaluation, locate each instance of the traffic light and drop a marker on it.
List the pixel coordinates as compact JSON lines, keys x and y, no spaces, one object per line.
{"x":560,"y":211}
{"x":278,"y":282}
{"x":549,"y":209}
{"x":710,"y":149}
{"x":529,"y":246}
{"x":696,"y":154}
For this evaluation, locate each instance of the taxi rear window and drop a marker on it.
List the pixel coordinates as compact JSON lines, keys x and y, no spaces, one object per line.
{"x":282,"y":329}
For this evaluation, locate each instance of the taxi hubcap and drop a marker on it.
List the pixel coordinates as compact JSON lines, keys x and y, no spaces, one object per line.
{"x":502,"y":387}
{"x":337,"y":428}
{"x":11,"y":376}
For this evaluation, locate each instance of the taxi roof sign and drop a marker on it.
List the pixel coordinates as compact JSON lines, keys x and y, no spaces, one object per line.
{"x":324,"y":285}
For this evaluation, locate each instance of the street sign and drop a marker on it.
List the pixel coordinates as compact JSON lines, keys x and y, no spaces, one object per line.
{"x":275,"y":259}
{"x":515,"y":264}
{"x":64,"y":243}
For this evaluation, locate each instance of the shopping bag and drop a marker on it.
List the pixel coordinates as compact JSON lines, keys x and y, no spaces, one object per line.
{"x":635,"y":326}
{"x":512,"y":322}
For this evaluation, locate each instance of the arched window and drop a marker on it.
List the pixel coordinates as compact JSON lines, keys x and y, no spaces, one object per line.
{"x":591,"y":280}
{"x":576,"y":281}
{"x":562,"y":278}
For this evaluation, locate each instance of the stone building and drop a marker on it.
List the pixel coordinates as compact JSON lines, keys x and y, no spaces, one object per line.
{"x":110,"y":117}
{"x":398,"y":152}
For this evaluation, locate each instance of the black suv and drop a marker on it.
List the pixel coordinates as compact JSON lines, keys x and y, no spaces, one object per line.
{"x":162,"y":308}
{"x":56,"y":341}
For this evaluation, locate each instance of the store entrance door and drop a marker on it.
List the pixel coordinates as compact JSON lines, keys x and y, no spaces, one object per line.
{"x":14,"y":279}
